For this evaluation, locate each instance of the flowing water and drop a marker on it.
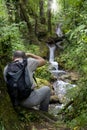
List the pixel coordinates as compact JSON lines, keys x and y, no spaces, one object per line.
{"x":60,"y":87}
{"x":58,"y":30}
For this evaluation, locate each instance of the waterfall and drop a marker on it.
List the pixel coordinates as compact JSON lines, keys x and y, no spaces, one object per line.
{"x":58,"y":30}
{"x":60,"y":87}
{"x":53,"y":63}
{"x":52,"y":50}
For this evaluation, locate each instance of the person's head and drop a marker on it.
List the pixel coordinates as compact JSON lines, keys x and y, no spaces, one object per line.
{"x":19,"y":54}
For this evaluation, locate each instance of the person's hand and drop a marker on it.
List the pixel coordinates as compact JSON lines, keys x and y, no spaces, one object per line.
{"x":28,"y":54}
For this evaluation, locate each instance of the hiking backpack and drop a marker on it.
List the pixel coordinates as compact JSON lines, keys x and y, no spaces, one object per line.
{"x":18,"y":81}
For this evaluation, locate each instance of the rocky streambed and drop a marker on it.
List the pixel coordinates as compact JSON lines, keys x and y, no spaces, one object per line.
{"x":64,"y":86}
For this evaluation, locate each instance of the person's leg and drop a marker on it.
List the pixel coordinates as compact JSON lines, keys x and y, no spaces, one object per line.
{"x":45,"y":97}
{"x":38,"y":97}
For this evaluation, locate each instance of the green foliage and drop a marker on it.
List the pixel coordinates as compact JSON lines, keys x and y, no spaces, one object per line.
{"x":76,"y":54}
{"x":43,"y":73}
{"x":10,"y":38}
{"x":33,"y":49}
{"x":33,"y":7}
{"x":80,"y":121}
{"x":74,"y":19}
{"x":3,"y":13}
{"x":17,"y":41}
{"x":74,"y":57}
{"x":26,"y":116}
{"x":1,"y":126}
{"x":72,"y":92}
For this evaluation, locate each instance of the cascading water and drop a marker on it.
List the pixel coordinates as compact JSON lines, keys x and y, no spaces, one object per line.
{"x":53,"y":64}
{"x":58,"y":30}
{"x":52,"y":50}
{"x":51,"y":56}
{"x":60,"y":87}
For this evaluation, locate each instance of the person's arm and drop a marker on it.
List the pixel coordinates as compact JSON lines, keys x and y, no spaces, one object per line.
{"x":5,"y":72}
{"x":41,"y":61}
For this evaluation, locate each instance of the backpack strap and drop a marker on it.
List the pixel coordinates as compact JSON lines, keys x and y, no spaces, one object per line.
{"x":35,"y":79}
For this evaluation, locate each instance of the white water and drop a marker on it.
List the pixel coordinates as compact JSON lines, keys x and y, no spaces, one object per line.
{"x":60,"y":87}
{"x":52,"y":50}
{"x":58,"y":31}
{"x":53,"y":64}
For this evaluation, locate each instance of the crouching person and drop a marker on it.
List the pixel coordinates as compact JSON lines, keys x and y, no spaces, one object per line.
{"x":20,"y":82}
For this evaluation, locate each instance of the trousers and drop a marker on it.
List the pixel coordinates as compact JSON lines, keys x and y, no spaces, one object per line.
{"x":39,"y":97}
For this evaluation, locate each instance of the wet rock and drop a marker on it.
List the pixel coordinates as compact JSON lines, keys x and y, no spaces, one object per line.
{"x":74,"y":76}
{"x":61,"y":88}
{"x":54,"y":99}
{"x":65,"y":76}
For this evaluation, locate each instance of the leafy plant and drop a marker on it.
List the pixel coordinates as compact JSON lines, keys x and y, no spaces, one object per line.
{"x":74,"y":58}
{"x":43,"y":73}
{"x":2,"y":126}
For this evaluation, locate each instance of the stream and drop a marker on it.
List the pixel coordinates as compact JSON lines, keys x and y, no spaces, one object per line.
{"x":60,"y":87}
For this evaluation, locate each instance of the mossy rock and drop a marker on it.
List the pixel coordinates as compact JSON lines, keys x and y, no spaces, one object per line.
{"x":8,"y":117}
{"x":43,"y":50}
{"x":42,"y":82}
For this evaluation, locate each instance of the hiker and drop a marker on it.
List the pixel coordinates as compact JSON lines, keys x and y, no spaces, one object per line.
{"x":39,"y":96}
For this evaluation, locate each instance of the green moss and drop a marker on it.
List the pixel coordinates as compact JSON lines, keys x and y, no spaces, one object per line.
{"x":7,"y":114}
{"x":12,"y":120}
{"x":43,"y":73}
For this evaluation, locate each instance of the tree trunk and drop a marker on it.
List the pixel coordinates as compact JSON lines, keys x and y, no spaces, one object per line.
{"x":25,"y":15}
{"x":35,"y":28}
{"x":49,"y":16}
{"x":10,"y":10}
{"x":42,"y":18}
{"x":17,"y":11}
